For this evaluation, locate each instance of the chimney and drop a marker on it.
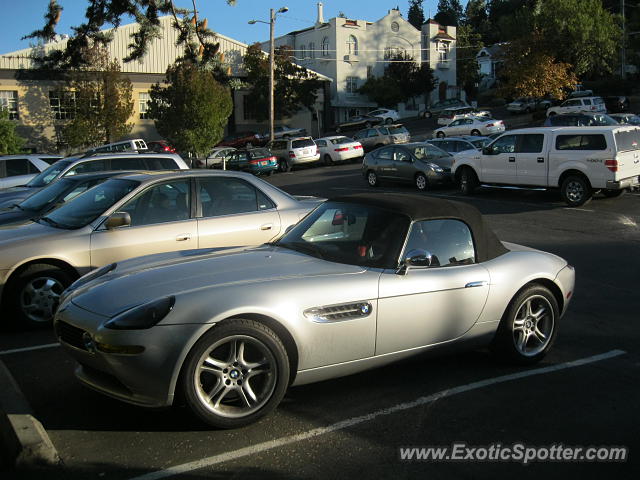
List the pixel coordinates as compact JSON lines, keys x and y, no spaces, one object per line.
{"x":320,"y":14}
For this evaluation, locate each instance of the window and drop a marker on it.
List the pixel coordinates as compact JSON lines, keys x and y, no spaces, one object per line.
{"x":143,"y":101}
{"x":230,"y":196}
{"x":448,"y":241}
{"x":505,"y":144}
{"x":325,"y":47}
{"x":168,"y":202}
{"x":352,"y":85}
{"x":63,"y":104}
{"x":127,"y":163}
{"x":628,"y":140}
{"x":18,"y":166}
{"x":9,"y":101}
{"x":87,"y":167}
{"x":587,"y":101}
{"x":443,"y":52}
{"x":248,"y":109}
{"x":385,"y":154}
{"x":162,"y":163}
{"x":530,"y":143}
{"x":321,"y":143}
{"x":581,"y":142}
{"x":352,"y":45}
{"x":303,"y":52}
{"x":312,"y":50}
{"x":372,"y":133}
{"x":402,"y":156}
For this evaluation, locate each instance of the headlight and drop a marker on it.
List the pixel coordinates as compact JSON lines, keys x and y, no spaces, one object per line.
{"x":435,"y":168}
{"x":92,"y":276}
{"x":142,"y":316}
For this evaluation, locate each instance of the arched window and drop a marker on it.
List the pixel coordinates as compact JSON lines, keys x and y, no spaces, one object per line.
{"x":352,"y":45}
{"x":325,"y":47}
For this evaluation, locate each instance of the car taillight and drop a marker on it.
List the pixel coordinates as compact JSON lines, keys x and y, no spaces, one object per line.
{"x":491,"y":124}
{"x":254,"y":162}
{"x":343,"y":149}
{"x":611,"y":165}
{"x":358,"y":147}
{"x":292,"y":154}
{"x":167,"y":148}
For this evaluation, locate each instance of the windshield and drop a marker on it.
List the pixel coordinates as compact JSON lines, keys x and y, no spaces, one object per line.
{"x":601,"y":120}
{"x":46,"y":176}
{"x":48,"y":196}
{"x":302,"y":143}
{"x":350,"y":233}
{"x":91,"y":204}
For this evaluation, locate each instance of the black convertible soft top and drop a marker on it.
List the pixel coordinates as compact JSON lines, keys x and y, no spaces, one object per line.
{"x":419,"y":207}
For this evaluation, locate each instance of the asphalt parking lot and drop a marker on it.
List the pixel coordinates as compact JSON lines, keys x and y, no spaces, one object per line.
{"x":584,"y":393}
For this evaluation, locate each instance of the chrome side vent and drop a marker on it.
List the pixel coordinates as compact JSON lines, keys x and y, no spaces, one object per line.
{"x":339,"y":313}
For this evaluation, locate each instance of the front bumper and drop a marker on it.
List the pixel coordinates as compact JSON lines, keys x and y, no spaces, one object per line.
{"x":147,"y":378}
{"x":624,"y":183}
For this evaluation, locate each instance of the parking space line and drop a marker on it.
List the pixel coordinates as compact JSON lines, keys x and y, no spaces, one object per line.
{"x":578,"y":209}
{"x":27,"y":349}
{"x":280,"y":442}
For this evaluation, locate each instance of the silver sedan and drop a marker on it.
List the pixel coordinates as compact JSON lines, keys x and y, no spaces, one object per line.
{"x":475,"y":126}
{"x":363,"y":281}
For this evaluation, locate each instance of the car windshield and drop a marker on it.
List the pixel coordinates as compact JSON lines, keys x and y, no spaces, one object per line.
{"x":341,"y":140}
{"x":90,"y":205}
{"x":350,"y":233}
{"x":48,"y":195}
{"x":259,"y":153}
{"x":428,"y":152}
{"x":396,"y":130}
{"x":601,"y":120}
{"x":46,"y":176}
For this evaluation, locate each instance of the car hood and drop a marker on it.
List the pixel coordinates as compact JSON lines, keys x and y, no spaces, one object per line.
{"x":15,"y":217}
{"x":12,"y":234}
{"x":144,"y":279}
{"x":12,"y":195}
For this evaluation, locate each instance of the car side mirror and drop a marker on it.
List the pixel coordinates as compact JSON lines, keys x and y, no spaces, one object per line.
{"x":487,"y":151}
{"x":118,"y":219}
{"x":415,"y":258}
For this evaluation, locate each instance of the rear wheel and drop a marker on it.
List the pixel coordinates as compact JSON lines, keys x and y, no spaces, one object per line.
{"x":327,"y":160}
{"x":529,"y":326}
{"x":235,"y":374}
{"x":283,"y":165}
{"x":427,"y":114}
{"x":388,"y":121}
{"x":421,"y":182}
{"x":612,"y":193}
{"x":468,"y":181}
{"x":440,"y":135}
{"x":475,"y":133}
{"x":372,"y":179}
{"x":575,"y":190}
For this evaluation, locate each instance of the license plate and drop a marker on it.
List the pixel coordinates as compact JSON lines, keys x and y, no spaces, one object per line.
{"x":264,"y":163}
{"x":306,"y":151}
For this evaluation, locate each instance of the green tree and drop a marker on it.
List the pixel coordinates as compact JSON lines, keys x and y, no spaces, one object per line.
{"x":476,"y":18}
{"x":449,"y":12}
{"x":10,"y":141}
{"x":469,"y":43}
{"x":103,"y":102}
{"x":295,"y":86}
{"x":415,"y":16}
{"x":194,"y":36}
{"x":192,"y":108}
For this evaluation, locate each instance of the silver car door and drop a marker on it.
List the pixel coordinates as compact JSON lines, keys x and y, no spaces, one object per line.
{"x":160,"y":222}
{"x":433,"y":304}
{"x":232,"y":212}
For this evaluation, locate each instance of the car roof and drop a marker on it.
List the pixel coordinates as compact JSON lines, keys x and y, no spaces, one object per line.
{"x":572,"y":129}
{"x":153,"y":175}
{"x":331,"y":137}
{"x":420,"y":207}
{"x":28,"y":155}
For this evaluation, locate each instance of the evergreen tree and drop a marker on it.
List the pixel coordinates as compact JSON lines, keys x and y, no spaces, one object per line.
{"x":415,"y":15}
{"x":449,"y":12}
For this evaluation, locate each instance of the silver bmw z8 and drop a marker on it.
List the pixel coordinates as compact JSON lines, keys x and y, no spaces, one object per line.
{"x":362,"y":281}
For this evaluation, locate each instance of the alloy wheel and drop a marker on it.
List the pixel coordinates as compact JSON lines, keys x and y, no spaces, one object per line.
{"x":39,"y":298}
{"x":533,"y":325}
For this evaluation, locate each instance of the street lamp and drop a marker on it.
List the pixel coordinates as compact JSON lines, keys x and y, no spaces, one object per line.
{"x":271,"y":22}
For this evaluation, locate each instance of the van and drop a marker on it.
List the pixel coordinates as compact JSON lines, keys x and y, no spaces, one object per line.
{"x":122,"y":146}
{"x":576,"y":160}
{"x":294,"y":151}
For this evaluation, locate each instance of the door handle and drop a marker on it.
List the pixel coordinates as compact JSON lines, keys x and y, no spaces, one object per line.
{"x":540,"y":159}
{"x":266,"y":226}
{"x":481,"y":283}
{"x":183,"y":236}
{"x":512,"y":159}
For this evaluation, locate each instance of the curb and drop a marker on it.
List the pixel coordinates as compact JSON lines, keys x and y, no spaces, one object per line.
{"x":24,"y":443}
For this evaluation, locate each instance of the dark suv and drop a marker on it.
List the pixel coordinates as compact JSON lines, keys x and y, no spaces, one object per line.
{"x":579,"y":120}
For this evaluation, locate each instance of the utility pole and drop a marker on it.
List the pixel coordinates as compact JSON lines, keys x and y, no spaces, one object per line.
{"x":623,"y":59}
{"x":272,"y":21}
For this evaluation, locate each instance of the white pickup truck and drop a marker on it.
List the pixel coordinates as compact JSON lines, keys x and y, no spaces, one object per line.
{"x":577,"y":160}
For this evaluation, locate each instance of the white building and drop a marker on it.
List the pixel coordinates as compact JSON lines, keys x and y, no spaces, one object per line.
{"x":439,"y":51}
{"x":489,"y":60}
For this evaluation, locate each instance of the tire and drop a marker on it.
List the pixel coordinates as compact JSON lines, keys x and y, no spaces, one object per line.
{"x":283,"y":165}
{"x":476,"y":133}
{"x":388,"y":121}
{"x":551,"y":114}
{"x":612,"y":193}
{"x":327,"y":160}
{"x":468,"y":181}
{"x":428,"y":114}
{"x":235,"y":351}
{"x":528,"y":327}
{"x":575,"y":190}
{"x":421,"y":182}
{"x":33,"y":295}
{"x":440,"y":135}
{"x":372,"y":179}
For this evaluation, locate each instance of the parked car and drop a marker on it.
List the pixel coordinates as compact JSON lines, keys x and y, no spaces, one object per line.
{"x":422,"y":164}
{"x":338,"y":149}
{"x":579,"y":120}
{"x":448,"y":115}
{"x":233,"y":329}
{"x":243,"y":140}
{"x":578,"y":105}
{"x":215,"y":157}
{"x":436,"y":108}
{"x":160,"y":146}
{"x":475,"y":126}
{"x":528,"y":105}
{"x":294,"y":151}
{"x":136,"y":214}
{"x":386,"y":114}
{"x":285,"y":131}
{"x":617,"y":103}
{"x":134,"y":145}
{"x":52,"y":196}
{"x":376,"y":137}
{"x":626,"y":118}
{"x":258,"y":161}
{"x":577,"y":160}
{"x":358,"y":121}
{"x":17,"y":170}
{"x":460,"y":144}
{"x":93,"y":163}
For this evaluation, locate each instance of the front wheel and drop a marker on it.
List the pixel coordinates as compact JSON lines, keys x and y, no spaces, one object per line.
{"x":440,"y":135}
{"x":421,"y":182}
{"x":612,"y":193}
{"x":475,"y":133}
{"x":372,"y":179}
{"x":327,"y":160}
{"x":283,"y":165}
{"x":575,"y":191}
{"x":529,"y":326}
{"x":427,"y":114}
{"x":388,"y":121}
{"x":468,"y":181}
{"x":235,"y":374}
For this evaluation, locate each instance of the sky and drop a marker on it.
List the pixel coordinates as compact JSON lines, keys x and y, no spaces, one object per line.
{"x":21,"y":17}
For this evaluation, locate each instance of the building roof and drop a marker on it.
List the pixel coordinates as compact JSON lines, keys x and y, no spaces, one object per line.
{"x":444,"y":36}
{"x":494,"y":50}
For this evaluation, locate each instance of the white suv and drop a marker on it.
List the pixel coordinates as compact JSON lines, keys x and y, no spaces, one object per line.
{"x":294,"y":151}
{"x":19,"y":169}
{"x":582,"y":104}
